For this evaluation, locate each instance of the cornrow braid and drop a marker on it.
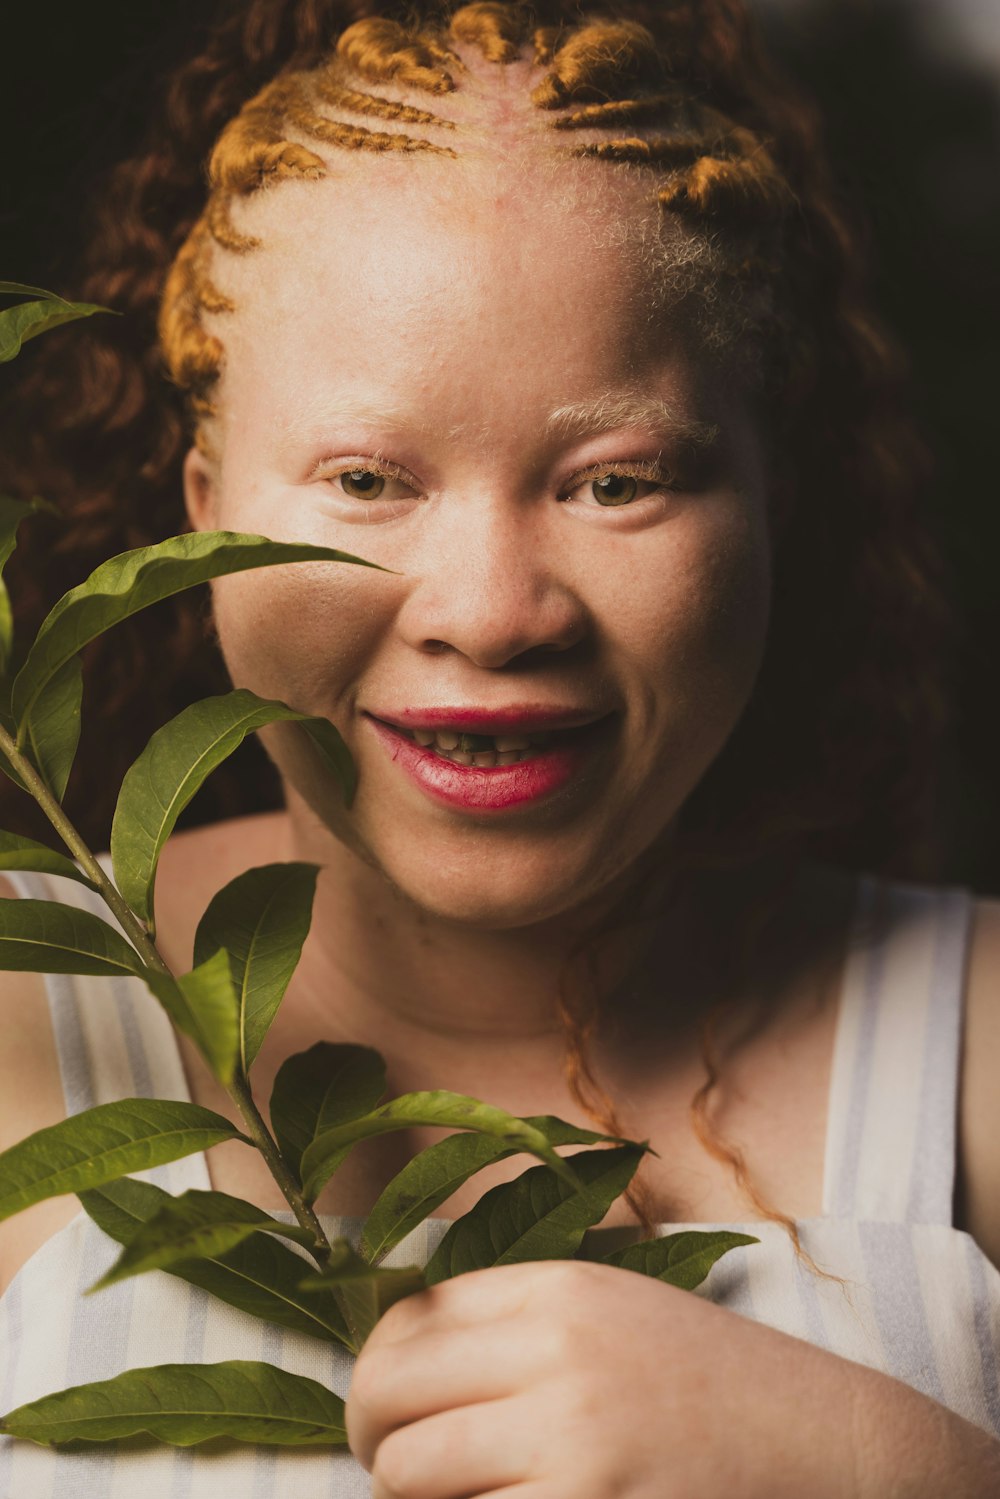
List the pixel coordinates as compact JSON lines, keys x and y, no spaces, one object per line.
{"x":594,"y":59}
{"x":381,"y":49}
{"x":337,"y":94}
{"x":715,"y":169}
{"x":498,"y":30}
{"x":616,"y":112}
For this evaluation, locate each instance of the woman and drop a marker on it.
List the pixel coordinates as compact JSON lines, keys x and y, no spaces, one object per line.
{"x":552,"y":318}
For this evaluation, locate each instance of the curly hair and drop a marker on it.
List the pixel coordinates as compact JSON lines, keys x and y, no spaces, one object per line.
{"x":836,"y":756}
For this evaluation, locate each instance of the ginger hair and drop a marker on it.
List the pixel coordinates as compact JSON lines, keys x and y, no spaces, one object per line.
{"x":836,"y":756}
{"x":605,"y":78}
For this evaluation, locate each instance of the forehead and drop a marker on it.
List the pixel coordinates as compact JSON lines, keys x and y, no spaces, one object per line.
{"x":449,"y":278}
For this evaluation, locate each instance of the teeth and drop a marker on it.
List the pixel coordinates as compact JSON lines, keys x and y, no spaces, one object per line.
{"x":482,"y":750}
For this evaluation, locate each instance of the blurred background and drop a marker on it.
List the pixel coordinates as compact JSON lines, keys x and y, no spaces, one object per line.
{"x":911,"y":92}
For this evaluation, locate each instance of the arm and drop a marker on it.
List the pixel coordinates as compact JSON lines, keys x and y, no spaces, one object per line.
{"x":978,"y":1197}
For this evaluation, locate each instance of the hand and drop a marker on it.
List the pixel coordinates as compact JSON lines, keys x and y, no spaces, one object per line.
{"x":567,"y":1380}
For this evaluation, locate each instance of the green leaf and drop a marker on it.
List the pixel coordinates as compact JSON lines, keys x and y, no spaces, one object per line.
{"x":536,"y":1217}
{"x":322,"y":1087}
{"x":262,"y":919}
{"x":19,"y":289}
{"x":44,"y":936}
{"x":24,"y":853}
{"x":192,"y":1226}
{"x":203,"y":1004}
{"x":53,"y":730}
{"x":12,"y":513}
{"x":682,"y":1259}
{"x":367,"y":1291}
{"x":442,"y":1109}
{"x":123,"y":585}
{"x":435,"y":1173}
{"x":333,"y":753}
{"x":102,"y":1143}
{"x":174,"y":765}
{"x":259,"y":1275}
{"x":28,"y":319}
{"x":187,"y":1403}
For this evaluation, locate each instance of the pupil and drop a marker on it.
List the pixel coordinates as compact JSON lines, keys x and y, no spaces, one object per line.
{"x":615,"y":489}
{"x":362,"y":483}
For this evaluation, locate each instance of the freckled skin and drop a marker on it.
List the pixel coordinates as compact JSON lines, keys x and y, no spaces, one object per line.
{"x":460,"y":307}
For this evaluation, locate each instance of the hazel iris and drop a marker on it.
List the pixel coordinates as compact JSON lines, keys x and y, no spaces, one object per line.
{"x":615,"y":489}
{"x":362,"y":484}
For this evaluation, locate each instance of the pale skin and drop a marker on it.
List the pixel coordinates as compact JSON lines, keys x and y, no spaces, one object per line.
{"x":440,"y":358}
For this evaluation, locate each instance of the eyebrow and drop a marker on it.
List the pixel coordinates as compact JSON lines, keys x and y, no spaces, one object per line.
{"x":578,"y":419}
{"x":315,"y":416}
{"x":584,"y":417}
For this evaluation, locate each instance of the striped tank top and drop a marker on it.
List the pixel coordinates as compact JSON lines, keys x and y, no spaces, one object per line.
{"x":921,"y":1303}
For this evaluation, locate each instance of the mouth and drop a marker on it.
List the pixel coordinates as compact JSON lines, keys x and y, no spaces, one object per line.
{"x":454,"y":758}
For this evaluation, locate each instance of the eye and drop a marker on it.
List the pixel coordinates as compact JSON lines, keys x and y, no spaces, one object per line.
{"x":373,"y":490}
{"x":615,"y":487}
{"x":362,"y":483}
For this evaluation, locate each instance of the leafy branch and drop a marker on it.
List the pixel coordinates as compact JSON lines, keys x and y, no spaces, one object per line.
{"x":325,"y":1100}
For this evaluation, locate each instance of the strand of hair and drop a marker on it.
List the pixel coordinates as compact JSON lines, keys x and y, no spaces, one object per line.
{"x":660,"y":151}
{"x":358,"y":138}
{"x":357,"y":102}
{"x":614,"y":112}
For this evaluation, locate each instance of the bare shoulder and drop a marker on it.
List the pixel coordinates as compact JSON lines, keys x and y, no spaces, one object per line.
{"x":31,"y":1098}
{"x":979,"y":1113}
{"x":194,"y":865}
{"x":197,"y":863}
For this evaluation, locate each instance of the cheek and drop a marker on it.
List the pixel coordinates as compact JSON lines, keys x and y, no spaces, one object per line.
{"x":300,"y":633}
{"x":699,"y":624}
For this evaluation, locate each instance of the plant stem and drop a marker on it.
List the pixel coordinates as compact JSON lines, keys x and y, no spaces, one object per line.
{"x":134,"y":929}
{"x":240,"y":1093}
{"x":139,"y":935}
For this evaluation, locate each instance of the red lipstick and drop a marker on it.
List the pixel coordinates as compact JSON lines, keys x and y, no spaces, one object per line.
{"x":566,"y":739}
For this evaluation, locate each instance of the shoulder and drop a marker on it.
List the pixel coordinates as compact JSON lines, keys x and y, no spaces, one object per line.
{"x":31,"y":1098}
{"x":979,"y":1112}
{"x":195,"y":864}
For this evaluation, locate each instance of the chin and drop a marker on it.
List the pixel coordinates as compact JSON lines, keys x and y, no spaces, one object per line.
{"x":480,"y":906}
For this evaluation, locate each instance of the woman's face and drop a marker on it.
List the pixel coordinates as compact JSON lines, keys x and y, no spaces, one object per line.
{"x":470,"y":378}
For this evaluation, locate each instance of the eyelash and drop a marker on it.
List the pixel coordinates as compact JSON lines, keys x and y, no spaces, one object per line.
{"x":647,"y":471}
{"x":651,"y":472}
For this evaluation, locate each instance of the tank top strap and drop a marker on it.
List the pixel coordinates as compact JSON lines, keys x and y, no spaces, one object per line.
{"x":112,"y":1038}
{"x":892,"y":1120}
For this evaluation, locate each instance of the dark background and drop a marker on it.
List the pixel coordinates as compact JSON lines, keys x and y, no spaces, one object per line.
{"x":914,"y":130}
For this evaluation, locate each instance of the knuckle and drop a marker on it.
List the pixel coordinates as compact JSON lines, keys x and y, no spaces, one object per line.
{"x":394,"y":1470}
{"x":365,"y":1380}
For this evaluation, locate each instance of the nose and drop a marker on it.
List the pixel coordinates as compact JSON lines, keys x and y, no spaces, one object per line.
{"x":491,"y":585}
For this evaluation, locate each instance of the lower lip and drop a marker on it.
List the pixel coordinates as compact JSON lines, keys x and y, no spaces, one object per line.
{"x":482,"y":788}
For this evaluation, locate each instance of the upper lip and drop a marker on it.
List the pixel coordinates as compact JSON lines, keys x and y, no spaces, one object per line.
{"x":524,"y":718}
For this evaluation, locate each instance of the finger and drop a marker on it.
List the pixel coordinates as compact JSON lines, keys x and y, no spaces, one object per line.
{"x":457,"y":1454}
{"x":400,"y":1383}
{"x":484,"y":1295}
{"x":526,"y":1490}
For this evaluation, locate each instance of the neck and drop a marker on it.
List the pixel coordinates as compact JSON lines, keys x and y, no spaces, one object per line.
{"x":449,"y":999}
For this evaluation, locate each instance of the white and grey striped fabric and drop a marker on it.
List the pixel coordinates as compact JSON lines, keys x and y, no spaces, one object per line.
{"x":922,"y":1302}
